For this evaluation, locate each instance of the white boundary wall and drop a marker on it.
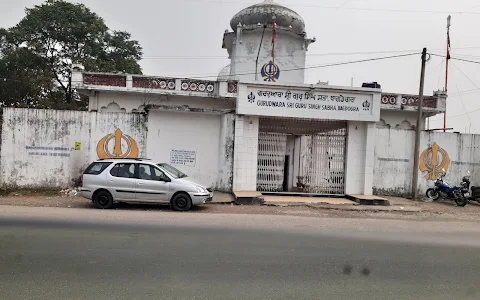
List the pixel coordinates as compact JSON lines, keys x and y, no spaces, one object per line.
{"x":394,"y":151}
{"x":38,"y":146}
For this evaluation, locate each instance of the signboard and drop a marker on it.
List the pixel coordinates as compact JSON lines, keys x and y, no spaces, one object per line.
{"x":183,"y":157}
{"x":78,"y":146}
{"x":312,"y":103}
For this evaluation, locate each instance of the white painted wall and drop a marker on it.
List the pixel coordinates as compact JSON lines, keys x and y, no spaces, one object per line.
{"x":246,"y":150}
{"x":394,"y":151}
{"x":133,"y":102}
{"x":359,"y":158}
{"x":398,"y":119}
{"x":188,"y":131}
{"x":227,"y":145}
{"x":289,"y":55}
{"x":30,"y":137}
{"x":38,"y":146}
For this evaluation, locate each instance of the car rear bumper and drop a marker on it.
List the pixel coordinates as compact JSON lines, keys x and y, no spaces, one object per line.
{"x":86,"y":193}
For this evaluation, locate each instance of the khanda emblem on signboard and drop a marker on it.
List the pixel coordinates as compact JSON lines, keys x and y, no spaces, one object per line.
{"x":434,"y":161}
{"x":270,"y":72}
{"x":117,"y":145}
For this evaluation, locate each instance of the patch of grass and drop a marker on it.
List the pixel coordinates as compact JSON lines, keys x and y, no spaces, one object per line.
{"x":29,"y":191}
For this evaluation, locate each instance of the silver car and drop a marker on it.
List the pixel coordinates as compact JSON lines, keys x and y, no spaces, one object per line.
{"x":109,"y":181}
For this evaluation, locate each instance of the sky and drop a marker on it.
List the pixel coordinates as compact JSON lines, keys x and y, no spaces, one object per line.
{"x":183,"y":38}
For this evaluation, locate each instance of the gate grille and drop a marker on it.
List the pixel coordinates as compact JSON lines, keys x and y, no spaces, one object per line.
{"x":324,"y":162}
{"x":271,"y":161}
{"x":317,"y":156}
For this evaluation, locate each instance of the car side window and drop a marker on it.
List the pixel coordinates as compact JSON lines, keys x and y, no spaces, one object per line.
{"x":159,"y":175}
{"x":96,"y":168}
{"x":145,"y":172}
{"x":123,"y":171}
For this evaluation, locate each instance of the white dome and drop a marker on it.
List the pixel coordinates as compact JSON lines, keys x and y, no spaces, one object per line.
{"x":263,"y":12}
{"x":224,"y":74}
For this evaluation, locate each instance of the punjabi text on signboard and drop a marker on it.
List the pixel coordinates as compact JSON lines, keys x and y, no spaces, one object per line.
{"x":309,"y":100}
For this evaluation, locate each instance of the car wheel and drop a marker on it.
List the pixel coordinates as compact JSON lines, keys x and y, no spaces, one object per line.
{"x":103,"y":200}
{"x":181,"y":202}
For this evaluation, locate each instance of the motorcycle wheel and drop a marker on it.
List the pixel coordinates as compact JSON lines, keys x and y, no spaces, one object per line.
{"x":461,"y":201}
{"x":433,"y":194}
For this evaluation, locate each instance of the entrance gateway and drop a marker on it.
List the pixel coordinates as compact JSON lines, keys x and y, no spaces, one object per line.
{"x":296,"y":155}
{"x":305,"y":138}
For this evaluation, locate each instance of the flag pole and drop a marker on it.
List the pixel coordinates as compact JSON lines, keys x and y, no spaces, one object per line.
{"x":446,"y":72}
{"x":274,"y":36}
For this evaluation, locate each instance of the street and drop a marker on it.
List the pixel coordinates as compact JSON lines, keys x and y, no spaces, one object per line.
{"x":58,"y":253}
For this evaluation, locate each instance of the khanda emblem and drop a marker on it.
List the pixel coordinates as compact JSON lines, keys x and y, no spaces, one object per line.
{"x":270,"y":72}
{"x":117,"y":145}
{"x":434,"y":161}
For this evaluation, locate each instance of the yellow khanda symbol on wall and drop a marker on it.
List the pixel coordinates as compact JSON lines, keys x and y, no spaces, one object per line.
{"x":124,"y":146}
{"x":435,"y":161}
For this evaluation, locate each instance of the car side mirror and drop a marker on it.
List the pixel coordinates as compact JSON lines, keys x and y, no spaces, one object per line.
{"x":165,"y":179}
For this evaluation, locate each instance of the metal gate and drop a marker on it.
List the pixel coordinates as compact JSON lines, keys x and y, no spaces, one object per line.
{"x":324,"y":162}
{"x":318,"y":159}
{"x":271,"y":161}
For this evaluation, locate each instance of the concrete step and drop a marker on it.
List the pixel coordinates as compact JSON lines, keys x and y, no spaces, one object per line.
{"x":369,"y":200}
{"x":248,"y":198}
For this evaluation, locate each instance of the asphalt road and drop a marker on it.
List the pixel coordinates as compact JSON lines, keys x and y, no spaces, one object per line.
{"x":53,"y":253}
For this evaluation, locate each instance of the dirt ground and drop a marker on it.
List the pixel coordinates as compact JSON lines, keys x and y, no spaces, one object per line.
{"x":400,"y":209}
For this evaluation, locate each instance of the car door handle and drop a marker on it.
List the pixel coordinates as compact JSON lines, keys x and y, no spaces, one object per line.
{"x":140,"y":183}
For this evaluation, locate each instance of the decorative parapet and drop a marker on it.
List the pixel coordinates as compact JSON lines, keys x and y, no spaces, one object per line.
{"x":105,"y":79}
{"x":410,"y":102}
{"x":153,"y":83}
{"x":202,"y":86}
{"x":232,"y":87}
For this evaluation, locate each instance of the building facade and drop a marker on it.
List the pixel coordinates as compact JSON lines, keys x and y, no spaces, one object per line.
{"x":258,"y":127}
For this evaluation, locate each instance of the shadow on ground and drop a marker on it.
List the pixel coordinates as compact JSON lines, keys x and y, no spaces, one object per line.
{"x":143,"y":207}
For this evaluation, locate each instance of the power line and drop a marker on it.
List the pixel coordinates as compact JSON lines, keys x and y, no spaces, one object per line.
{"x":466,"y":76}
{"x":153,"y":57}
{"x":463,"y":104}
{"x":326,"y":65}
{"x":460,"y":115}
{"x":352,"y":8}
{"x":287,"y":70}
{"x":459,"y":93}
{"x":440,"y":74}
{"x":308,"y":55}
{"x":465,"y":92}
{"x":460,"y":59}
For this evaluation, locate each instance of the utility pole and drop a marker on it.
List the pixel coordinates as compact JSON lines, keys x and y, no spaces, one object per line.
{"x":418,"y":130}
{"x":446,"y":70}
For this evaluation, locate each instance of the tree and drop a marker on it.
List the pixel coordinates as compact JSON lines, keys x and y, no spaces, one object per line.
{"x":48,"y":40}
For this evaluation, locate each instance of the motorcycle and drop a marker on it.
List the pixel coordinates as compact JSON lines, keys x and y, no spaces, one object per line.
{"x":474,"y":195}
{"x":445,"y":191}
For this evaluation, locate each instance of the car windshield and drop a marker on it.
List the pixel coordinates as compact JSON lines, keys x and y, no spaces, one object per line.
{"x":175,"y":173}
